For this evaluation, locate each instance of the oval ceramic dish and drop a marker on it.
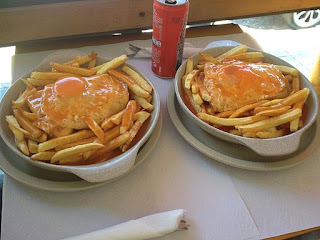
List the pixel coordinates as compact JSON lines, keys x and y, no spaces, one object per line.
{"x":266,"y":147}
{"x":99,"y":172}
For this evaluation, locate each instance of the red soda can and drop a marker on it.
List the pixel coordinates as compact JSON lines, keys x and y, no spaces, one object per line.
{"x":169,"y":29}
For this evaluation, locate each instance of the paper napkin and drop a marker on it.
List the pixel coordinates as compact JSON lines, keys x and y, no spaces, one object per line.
{"x":152,"y":226}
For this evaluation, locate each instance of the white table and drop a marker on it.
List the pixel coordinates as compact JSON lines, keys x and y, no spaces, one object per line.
{"x":222,"y":202}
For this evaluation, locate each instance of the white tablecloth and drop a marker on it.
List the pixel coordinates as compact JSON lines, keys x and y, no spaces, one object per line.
{"x":222,"y":202}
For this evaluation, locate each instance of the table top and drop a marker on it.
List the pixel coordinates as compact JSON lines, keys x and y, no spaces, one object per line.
{"x":35,"y":198}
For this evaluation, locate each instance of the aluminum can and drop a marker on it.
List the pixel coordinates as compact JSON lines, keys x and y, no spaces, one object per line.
{"x":169,"y":28}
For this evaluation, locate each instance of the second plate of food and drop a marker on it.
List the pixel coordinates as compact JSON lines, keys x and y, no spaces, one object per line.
{"x":249,"y":97}
{"x":234,"y":154}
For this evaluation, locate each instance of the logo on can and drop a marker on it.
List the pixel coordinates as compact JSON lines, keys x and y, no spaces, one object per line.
{"x":169,"y":27}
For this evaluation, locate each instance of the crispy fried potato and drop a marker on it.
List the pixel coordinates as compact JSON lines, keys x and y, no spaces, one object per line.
{"x":95,"y":128}
{"x":288,"y":70}
{"x":43,"y":156}
{"x":132,"y":85}
{"x":189,"y":78}
{"x":52,"y":143}
{"x":75,"y":70}
{"x":142,"y":117}
{"x":127,"y":119}
{"x":229,"y":121}
{"x":209,"y":58}
{"x":49,"y":75}
{"x":33,"y":146}
{"x":114,"y":63}
{"x":144,"y":103}
{"x":75,"y":150}
{"x":247,"y":56}
{"x":189,"y":66}
{"x":233,"y":51}
{"x":270,"y":122}
{"x":26,"y":124}
{"x":138,"y":79}
{"x":274,"y":111}
{"x":21,"y":100}
{"x":22,"y":145}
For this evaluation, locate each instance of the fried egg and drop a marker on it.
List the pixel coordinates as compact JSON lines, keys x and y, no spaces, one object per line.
{"x":235,"y":84}
{"x":66,"y":102}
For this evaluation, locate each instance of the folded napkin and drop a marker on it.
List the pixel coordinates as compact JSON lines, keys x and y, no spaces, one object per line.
{"x":146,"y":52}
{"x":156,"y":225}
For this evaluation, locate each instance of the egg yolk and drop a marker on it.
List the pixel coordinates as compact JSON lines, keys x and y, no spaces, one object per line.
{"x":69,"y":87}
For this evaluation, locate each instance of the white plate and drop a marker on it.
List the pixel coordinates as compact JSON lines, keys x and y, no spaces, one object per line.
{"x":233,"y":154}
{"x":48,"y":180}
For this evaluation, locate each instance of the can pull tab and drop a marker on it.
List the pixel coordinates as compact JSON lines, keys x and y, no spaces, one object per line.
{"x":171,"y":1}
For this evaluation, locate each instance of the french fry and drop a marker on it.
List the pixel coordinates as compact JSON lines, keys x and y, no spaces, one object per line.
{"x":142,"y":117}
{"x":247,"y":56}
{"x":71,"y":159}
{"x":194,"y":86}
{"x":288,"y":77}
{"x":288,"y":70}
{"x":25,"y":81}
{"x":40,"y":82}
{"x":189,"y":66}
{"x":75,"y":70}
{"x":117,"y":118}
{"x":33,"y":146}
{"x":275,"y":111}
{"x":79,"y":142}
{"x":15,"y":128}
{"x":244,"y":109}
{"x":225,"y":114}
{"x":22,"y":145}
{"x":75,"y":150}
{"x":209,"y":58}
{"x":127,"y":119}
{"x":189,"y":78}
{"x":21,"y":100}
{"x":114,"y":63}
{"x":232,"y":52}
{"x":271,"y":102}
{"x":230,"y":121}
{"x":138,"y":79}
{"x":92,"y":63}
{"x":250,"y":135}
{"x":270,"y":122}
{"x":294,"y":124}
{"x":145,"y":104}
{"x":43,"y":156}
{"x":26,"y":124}
{"x":17,"y":133}
{"x":273,"y":134}
{"x":95,"y":128}
{"x":296,"y":83}
{"x":49,"y":75}
{"x":117,"y":142}
{"x":301,"y":95}
{"x":197,"y":98}
{"x":29,"y":115}
{"x":52,"y":143}
{"x":111,"y":134}
{"x":132,"y":85}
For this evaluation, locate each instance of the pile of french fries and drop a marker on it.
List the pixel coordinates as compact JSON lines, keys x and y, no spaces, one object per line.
{"x":263,"y":119}
{"x":95,"y":144}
